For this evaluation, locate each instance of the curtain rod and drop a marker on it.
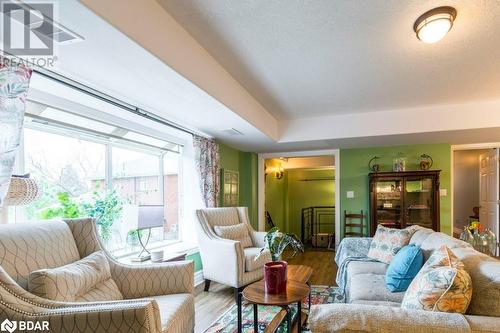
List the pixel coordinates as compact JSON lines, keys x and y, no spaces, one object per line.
{"x":109,"y":99}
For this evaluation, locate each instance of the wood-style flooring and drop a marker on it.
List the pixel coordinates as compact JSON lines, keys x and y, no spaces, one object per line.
{"x":211,"y":305}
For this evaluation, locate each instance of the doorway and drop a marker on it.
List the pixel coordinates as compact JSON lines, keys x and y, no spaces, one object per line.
{"x":292,"y":163}
{"x":476,"y":187}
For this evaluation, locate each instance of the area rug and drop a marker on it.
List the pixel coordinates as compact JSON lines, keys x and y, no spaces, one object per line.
{"x":227,"y":323}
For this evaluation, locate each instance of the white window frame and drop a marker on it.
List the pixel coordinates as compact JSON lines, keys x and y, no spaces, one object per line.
{"x":159,"y":153}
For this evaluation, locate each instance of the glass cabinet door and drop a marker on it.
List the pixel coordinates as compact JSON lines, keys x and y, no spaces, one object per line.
{"x":419,"y":202}
{"x":389,"y":202}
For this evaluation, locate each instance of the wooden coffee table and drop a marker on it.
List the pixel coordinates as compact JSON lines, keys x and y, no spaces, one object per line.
{"x":296,"y":290}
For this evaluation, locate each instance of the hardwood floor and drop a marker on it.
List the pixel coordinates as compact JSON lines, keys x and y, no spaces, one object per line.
{"x":322,"y":264}
{"x":211,"y":305}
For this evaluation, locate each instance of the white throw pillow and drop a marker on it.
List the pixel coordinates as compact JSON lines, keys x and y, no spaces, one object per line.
{"x":237,"y":232}
{"x":85,"y":280}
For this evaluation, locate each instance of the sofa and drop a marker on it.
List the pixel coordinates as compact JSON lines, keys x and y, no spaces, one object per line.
{"x":156,"y":297}
{"x":370,"y":307}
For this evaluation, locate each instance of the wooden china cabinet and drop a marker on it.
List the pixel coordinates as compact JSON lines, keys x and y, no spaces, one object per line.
{"x":402,"y":199}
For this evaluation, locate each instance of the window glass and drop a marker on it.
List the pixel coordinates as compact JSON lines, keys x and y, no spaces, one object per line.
{"x":83,"y":173}
{"x":69,"y":118}
{"x":172,"y":182}
{"x":139,"y":181}
{"x":66,"y":169}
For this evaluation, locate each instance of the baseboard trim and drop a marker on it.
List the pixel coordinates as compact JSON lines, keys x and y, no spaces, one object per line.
{"x":198,"y":278}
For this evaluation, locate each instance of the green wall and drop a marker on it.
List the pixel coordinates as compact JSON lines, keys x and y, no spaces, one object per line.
{"x":298,"y":189}
{"x":304,"y":192}
{"x":354,"y":174}
{"x":246,"y":164}
{"x":195,"y":257}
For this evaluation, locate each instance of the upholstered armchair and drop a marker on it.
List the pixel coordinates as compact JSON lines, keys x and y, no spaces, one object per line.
{"x":229,"y":261}
{"x":156,"y":298}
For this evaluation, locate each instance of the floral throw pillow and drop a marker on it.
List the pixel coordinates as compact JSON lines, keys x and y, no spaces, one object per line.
{"x":441,"y":285}
{"x":387,"y":242}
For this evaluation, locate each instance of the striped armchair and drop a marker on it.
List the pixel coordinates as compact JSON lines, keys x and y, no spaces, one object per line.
{"x":156,"y":298}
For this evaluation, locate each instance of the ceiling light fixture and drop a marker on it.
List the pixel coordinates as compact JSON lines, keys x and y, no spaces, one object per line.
{"x":433,"y":25}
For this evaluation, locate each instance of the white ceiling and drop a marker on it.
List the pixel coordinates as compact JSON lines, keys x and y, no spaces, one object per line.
{"x":320,"y":67}
{"x":314,"y":58}
{"x":109,"y":61}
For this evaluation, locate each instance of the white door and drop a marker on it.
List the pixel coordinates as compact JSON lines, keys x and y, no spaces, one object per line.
{"x":489,"y":190}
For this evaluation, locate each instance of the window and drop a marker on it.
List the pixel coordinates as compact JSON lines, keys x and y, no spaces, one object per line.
{"x":85,"y":167}
{"x":65,"y":168}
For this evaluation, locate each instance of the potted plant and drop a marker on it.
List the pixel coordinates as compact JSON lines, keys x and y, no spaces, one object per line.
{"x":277,"y":242}
{"x":106,"y":208}
{"x":275,"y":272}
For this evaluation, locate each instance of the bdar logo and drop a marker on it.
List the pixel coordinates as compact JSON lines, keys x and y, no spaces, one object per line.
{"x":8,"y":326}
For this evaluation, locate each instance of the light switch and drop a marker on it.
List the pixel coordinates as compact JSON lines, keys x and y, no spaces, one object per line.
{"x":443,"y":192}
{"x":350,"y":194}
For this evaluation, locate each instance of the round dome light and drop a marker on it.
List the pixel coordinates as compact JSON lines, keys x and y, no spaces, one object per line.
{"x":433,"y":25}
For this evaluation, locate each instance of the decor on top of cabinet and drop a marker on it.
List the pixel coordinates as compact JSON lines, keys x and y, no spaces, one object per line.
{"x":426,"y":162}
{"x":375,"y":167}
{"x":399,"y":163}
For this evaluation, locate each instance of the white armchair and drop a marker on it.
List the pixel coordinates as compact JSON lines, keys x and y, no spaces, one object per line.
{"x":224,"y":260}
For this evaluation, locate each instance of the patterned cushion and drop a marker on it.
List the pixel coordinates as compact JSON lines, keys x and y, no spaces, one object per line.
{"x":387,"y":242}
{"x":441,"y":285}
{"x":238,"y":232}
{"x":176,"y":312}
{"x":27,"y":247}
{"x":86,"y":280}
{"x":221,"y":216}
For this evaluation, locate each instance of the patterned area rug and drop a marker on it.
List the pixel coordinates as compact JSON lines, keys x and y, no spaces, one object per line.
{"x":227,"y":323}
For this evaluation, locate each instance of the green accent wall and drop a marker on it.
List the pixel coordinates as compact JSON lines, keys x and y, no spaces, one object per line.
{"x":246,"y":164}
{"x":197,"y":260}
{"x":354,"y":174}
{"x":304,"y":190}
{"x":277,"y":200}
{"x":298,"y":189}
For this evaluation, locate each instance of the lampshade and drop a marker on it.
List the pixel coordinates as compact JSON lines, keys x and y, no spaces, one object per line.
{"x":151,"y":217}
{"x":433,"y":25}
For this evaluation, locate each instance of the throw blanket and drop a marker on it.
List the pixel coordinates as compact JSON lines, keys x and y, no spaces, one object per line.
{"x":350,"y":249}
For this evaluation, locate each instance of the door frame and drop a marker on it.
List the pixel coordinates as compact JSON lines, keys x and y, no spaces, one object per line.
{"x":472,"y":146}
{"x":304,"y":153}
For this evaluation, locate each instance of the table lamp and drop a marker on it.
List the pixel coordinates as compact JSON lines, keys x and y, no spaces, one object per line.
{"x":149,"y":217}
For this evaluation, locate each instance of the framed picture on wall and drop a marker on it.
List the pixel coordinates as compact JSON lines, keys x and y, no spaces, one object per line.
{"x":230,"y":185}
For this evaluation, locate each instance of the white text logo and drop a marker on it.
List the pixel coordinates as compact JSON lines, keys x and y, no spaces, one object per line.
{"x":27,"y":326}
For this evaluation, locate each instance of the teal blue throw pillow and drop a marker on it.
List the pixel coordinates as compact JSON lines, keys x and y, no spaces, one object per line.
{"x":403,"y":268}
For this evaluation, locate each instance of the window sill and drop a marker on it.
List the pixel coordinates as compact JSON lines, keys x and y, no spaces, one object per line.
{"x":168,"y":247}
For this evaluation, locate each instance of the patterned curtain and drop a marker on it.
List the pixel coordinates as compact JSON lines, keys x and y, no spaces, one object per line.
{"x":206,"y":154}
{"x":14,"y":82}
